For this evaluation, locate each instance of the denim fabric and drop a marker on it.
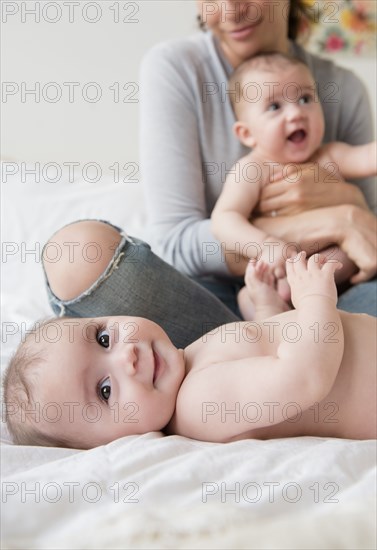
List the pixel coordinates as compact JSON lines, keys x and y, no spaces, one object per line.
{"x":226,"y":290}
{"x":140,"y":284}
{"x":361,"y":298}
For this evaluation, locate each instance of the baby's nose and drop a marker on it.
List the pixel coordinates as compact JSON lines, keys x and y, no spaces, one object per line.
{"x":127,"y":358}
{"x":294,"y":111}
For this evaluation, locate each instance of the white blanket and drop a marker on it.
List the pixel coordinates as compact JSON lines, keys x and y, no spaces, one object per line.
{"x":152,"y":491}
{"x":171,"y":492}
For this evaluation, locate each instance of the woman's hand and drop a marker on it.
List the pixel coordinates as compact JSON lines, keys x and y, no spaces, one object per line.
{"x":354,"y":229}
{"x":358,"y":239}
{"x":305,"y":187}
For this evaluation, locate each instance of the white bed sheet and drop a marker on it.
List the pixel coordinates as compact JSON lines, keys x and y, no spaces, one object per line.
{"x":171,"y":492}
{"x":287,"y":493}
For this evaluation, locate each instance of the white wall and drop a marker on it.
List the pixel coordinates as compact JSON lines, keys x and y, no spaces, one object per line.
{"x":102,"y":52}
{"x":105,"y":52}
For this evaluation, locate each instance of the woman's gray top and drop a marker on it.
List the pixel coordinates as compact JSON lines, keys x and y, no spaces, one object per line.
{"x":187,"y":142}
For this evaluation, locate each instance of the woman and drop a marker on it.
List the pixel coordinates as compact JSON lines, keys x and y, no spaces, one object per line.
{"x":187,"y":142}
{"x":187,"y":145}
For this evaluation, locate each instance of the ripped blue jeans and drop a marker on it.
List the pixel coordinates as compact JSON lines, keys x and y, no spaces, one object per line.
{"x":138,"y":283}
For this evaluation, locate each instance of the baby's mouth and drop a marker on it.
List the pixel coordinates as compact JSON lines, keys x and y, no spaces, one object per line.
{"x":157,"y":365}
{"x":297,"y":136}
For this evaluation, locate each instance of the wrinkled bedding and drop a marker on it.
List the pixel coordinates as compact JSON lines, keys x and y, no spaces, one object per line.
{"x":153,"y":491}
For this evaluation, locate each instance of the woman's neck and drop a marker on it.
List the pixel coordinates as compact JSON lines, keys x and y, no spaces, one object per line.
{"x":235,"y":60}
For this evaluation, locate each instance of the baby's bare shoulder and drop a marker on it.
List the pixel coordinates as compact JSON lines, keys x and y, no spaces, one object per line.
{"x":192,"y":400}
{"x":332,"y":153}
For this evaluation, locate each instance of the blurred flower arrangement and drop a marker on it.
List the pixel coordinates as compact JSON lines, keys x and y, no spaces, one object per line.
{"x":341,"y":26}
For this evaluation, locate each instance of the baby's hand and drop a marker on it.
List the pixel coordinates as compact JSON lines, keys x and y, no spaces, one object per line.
{"x":312,"y":277}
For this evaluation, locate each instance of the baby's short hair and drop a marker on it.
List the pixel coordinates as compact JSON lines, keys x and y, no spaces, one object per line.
{"x":262,"y":62}
{"x":20,"y":384}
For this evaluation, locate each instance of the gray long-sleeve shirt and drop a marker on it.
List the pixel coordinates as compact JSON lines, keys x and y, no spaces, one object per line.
{"x":187,"y":142}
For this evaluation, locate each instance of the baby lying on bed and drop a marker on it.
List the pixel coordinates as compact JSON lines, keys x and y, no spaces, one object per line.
{"x":310,"y":371}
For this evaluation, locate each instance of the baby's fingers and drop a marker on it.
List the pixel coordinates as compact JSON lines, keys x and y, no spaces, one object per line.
{"x":315,"y":261}
{"x":331,"y":266}
{"x":296,"y":264}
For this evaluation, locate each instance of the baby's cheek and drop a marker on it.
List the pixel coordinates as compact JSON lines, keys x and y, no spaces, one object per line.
{"x":129,"y":415}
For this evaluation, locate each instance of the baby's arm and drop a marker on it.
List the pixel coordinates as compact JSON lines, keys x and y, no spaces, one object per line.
{"x":302,"y":371}
{"x":354,"y":161}
{"x":230,"y":216}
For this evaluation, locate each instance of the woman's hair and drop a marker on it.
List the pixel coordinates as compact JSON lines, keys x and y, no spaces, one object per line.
{"x":20,"y":384}
{"x":299,"y":10}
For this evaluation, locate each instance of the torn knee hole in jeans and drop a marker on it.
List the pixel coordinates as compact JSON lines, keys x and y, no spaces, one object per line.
{"x":113,"y":265}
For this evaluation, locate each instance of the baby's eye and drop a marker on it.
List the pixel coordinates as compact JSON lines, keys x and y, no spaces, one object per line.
{"x":304,"y":99}
{"x":104,"y":389}
{"x":273,"y":106}
{"x":103,"y":338}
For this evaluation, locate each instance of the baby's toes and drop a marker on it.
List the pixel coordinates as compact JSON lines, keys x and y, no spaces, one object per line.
{"x":267,"y":275}
{"x":251,"y":271}
{"x":260,"y":270}
{"x":284,"y":290}
{"x":254,"y":273}
{"x":259,"y":273}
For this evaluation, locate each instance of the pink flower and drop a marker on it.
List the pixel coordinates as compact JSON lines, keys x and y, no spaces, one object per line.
{"x":334,"y":43}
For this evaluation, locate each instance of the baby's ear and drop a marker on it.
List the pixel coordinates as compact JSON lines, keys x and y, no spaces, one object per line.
{"x":243,"y":134}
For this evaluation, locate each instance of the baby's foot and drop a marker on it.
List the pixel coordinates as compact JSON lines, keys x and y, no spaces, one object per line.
{"x":284,"y":290}
{"x":261,"y":288}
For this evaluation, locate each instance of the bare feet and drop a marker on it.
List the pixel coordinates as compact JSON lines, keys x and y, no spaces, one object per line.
{"x":259,"y":299}
{"x":284,"y":290}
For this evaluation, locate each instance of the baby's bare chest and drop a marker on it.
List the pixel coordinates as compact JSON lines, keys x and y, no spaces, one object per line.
{"x":236,"y":341}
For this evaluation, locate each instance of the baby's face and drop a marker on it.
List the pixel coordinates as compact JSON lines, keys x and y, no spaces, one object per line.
{"x":285,"y":118}
{"x":109,"y":377}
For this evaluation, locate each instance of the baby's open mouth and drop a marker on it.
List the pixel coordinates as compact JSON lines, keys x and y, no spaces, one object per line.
{"x":297,"y":136}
